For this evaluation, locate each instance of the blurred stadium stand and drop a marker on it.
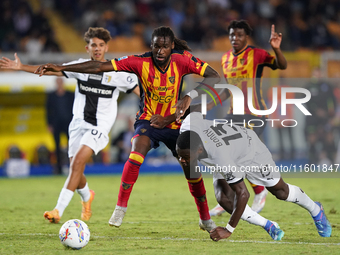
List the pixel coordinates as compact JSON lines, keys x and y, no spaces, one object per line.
{"x":52,"y":31}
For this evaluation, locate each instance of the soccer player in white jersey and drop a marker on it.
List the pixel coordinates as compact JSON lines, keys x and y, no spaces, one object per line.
{"x":94,"y":112}
{"x":236,"y":153}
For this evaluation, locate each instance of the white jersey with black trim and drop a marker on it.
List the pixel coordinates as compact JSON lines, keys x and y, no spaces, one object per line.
{"x":229,"y":149}
{"x":95,"y":99}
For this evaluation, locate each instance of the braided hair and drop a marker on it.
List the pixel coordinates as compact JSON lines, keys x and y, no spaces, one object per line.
{"x":167,"y":32}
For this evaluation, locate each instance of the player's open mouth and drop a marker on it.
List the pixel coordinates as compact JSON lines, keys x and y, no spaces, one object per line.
{"x":160,"y":58}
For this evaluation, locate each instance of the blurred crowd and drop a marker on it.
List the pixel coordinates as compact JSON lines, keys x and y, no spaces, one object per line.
{"x":23,"y":30}
{"x":311,"y":24}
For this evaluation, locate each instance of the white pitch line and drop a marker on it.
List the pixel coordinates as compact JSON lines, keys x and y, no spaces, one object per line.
{"x":182,"y":239}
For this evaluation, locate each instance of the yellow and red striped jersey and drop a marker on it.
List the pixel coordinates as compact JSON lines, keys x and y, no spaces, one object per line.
{"x":161,"y":89}
{"x":245,"y":69}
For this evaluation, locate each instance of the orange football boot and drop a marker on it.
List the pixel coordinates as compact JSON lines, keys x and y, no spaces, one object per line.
{"x":52,"y":216}
{"x":86,"y":212}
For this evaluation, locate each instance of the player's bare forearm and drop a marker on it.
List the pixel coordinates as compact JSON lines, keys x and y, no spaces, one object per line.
{"x":31,"y":69}
{"x":85,"y":67}
{"x":242,"y":197}
{"x":88,"y":67}
{"x":28,"y":68}
{"x":280,"y":60}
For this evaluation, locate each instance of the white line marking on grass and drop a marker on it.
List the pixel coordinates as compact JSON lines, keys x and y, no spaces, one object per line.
{"x":179,"y":239}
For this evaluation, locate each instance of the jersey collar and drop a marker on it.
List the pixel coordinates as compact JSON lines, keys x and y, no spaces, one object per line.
{"x":159,"y":68}
{"x":241,"y":51}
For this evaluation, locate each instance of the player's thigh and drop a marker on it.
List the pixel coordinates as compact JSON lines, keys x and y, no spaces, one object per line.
{"x":82,"y":155}
{"x":76,"y":132}
{"x":141,"y":144}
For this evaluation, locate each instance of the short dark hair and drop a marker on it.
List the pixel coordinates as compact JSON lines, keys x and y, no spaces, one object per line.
{"x":242,"y":24}
{"x":167,"y":32}
{"x":98,"y":32}
{"x":188,"y":140}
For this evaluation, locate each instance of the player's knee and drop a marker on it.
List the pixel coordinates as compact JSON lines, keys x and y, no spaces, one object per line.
{"x":77,"y":164}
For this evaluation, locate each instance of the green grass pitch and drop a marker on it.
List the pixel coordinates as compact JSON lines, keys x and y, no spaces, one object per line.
{"x":161,"y":219}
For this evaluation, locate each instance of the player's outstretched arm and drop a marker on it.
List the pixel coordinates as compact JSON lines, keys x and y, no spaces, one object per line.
{"x":242,"y":196}
{"x":16,"y":64}
{"x":275,"y":41}
{"x":85,"y":67}
{"x":211,"y":77}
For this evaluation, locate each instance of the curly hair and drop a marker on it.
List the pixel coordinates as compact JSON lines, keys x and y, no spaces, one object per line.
{"x":242,"y":24}
{"x":98,"y":32}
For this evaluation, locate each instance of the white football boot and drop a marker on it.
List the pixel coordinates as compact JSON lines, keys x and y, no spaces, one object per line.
{"x":117,"y":216}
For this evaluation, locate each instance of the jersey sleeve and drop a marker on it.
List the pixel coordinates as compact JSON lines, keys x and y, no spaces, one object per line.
{"x":126,"y":63}
{"x":266,"y":58}
{"x":195,"y":65}
{"x":127,"y":81}
{"x":68,"y":74}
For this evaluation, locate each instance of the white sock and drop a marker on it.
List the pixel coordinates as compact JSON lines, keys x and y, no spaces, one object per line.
{"x":297,"y":196}
{"x":64,"y":199}
{"x":84,"y":193}
{"x":253,"y":217}
{"x":121,"y":208}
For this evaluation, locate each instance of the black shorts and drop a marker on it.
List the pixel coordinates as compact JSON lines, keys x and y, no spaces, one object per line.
{"x":166,"y":135}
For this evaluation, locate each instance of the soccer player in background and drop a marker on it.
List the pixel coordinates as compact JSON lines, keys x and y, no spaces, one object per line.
{"x":239,"y":154}
{"x":161,"y":73}
{"x":243,"y":67}
{"x":94,"y":113}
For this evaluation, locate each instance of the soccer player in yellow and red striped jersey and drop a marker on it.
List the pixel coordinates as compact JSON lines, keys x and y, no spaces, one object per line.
{"x":161,"y":87}
{"x":161,"y":73}
{"x":243,"y":67}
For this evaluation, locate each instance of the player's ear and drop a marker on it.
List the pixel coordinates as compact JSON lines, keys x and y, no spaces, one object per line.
{"x":106,"y":47}
{"x":200,"y":149}
{"x":87,"y":48}
{"x":172,"y":45}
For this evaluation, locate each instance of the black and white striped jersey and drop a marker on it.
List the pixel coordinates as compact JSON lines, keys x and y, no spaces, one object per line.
{"x":95,"y":99}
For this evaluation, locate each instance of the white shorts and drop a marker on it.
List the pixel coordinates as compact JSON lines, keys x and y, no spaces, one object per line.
{"x":81,"y":132}
{"x":260,"y":171}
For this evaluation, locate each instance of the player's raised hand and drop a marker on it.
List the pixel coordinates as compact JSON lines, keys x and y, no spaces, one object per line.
{"x":275,"y":38}
{"x":7,"y":63}
{"x":219,"y":233}
{"x":41,"y":70}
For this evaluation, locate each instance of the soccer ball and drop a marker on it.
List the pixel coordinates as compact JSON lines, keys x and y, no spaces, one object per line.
{"x":74,"y":234}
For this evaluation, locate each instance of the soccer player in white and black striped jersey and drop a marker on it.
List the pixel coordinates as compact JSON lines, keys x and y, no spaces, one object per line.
{"x":94,"y":113}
